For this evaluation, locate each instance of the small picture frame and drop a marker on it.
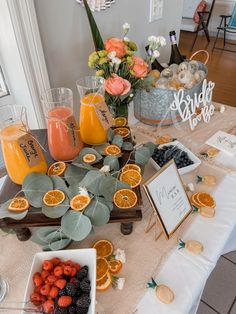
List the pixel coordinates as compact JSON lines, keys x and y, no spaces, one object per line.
{"x":168,"y":198}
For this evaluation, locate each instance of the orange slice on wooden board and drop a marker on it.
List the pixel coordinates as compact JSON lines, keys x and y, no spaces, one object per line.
{"x":112,"y":150}
{"x":124,"y":132}
{"x":57,"y":168}
{"x":53,"y":197}
{"x":115,"y":266}
{"x":212,"y":152}
{"x":102,"y":268}
{"x":164,"y":139}
{"x":132,"y":177}
{"x":88,"y":158}
{"x":194,"y":200}
{"x":104,"y":248}
{"x":18,"y":205}
{"x":131,"y":167}
{"x":79,"y":202}
{"x":125,"y":198}
{"x":104,"y":283}
{"x":120,"y":121}
{"x":205,"y":200}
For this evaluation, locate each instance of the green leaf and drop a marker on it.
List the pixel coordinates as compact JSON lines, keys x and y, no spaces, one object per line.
{"x":59,"y":244}
{"x":98,"y":213}
{"x":55,"y":236}
{"x":109,"y":185}
{"x":142,"y":156}
{"x":91,"y":181}
{"x":59,"y":184}
{"x":117,"y":140}
{"x":56,"y":211}
{"x":87,"y":150}
{"x":128,"y":146}
{"x":75,"y":225}
{"x":110,"y":135}
{"x":40,"y":235}
{"x":112,"y":161}
{"x":109,"y":204}
{"x":5,"y":213}
{"x":97,"y":39}
{"x":151,"y":146}
{"x":35,"y":186}
{"x":74,"y":175}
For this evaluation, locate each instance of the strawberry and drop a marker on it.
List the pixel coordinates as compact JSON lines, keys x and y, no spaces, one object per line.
{"x":67,"y":270}
{"x":77,"y":266}
{"x":45,"y":289}
{"x":38,"y":281}
{"x":48,"y":306}
{"x":45,"y":274}
{"x":58,"y":271}
{"x":56,"y":261}
{"x":73,"y":271}
{"x":47,"y":265}
{"x":53,"y":292}
{"x":64,"y":301}
{"x":60,"y":283}
{"x":51,"y":278}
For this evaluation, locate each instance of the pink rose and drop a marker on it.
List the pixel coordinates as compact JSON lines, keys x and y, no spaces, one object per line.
{"x":116,"y":85}
{"x":139,"y":67}
{"x":117,"y":45}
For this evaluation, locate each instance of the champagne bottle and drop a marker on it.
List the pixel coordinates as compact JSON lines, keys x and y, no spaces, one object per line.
{"x":155,"y":64}
{"x":175,"y":56}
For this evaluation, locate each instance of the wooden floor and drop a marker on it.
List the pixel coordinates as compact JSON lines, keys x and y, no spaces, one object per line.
{"x":221,"y":66}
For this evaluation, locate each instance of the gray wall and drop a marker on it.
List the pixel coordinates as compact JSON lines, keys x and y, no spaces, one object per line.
{"x":67,"y":40}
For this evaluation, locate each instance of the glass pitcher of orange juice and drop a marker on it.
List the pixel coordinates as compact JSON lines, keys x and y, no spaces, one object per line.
{"x":21,"y":152}
{"x":91,"y":91}
{"x":63,"y":131}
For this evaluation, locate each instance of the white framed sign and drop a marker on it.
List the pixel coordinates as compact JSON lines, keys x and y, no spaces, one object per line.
{"x":223,"y":141}
{"x":168,"y":198}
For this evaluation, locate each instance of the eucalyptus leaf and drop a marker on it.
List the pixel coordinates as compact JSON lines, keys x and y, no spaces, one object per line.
{"x":75,"y":225}
{"x":98,"y":213}
{"x":109,"y":185}
{"x":85,"y":151}
{"x":5,"y":213}
{"x":151,"y":146}
{"x":59,"y":244}
{"x":128,"y":146}
{"x":112,"y":161}
{"x":35,"y":186}
{"x":83,"y":166}
{"x":117,"y":140}
{"x":91,"y":181}
{"x":74,"y":175}
{"x":142,"y":155}
{"x":109,"y":204}
{"x":110,"y":135}
{"x":55,"y":236}
{"x":34,"y":238}
{"x":56,"y":211}
{"x":40,"y":235}
{"x":59,"y":184}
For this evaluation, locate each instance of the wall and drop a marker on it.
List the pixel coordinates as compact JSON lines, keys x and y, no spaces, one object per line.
{"x":67,"y":40}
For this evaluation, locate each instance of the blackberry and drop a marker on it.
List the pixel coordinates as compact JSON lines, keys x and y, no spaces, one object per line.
{"x":70,"y":289}
{"x":84,"y":301}
{"x":73,"y":309}
{"x":75,"y":299}
{"x":85,"y":285}
{"x":82,"y":310}
{"x":60,"y":310}
{"x":82,"y":273}
{"x":62,"y":292}
{"x":76,"y":283}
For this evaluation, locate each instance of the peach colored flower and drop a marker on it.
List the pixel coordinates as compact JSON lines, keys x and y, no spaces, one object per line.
{"x":116,"y":85}
{"x":139,"y":67}
{"x":117,"y":45}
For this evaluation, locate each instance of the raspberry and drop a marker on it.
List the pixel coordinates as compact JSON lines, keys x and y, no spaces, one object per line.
{"x":37,"y":289}
{"x":84,"y":301}
{"x":56,"y":261}
{"x":54,"y":292}
{"x":48,"y":306}
{"x":45,"y":289}
{"x":47,"y":265}
{"x":82,"y":273}
{"x":52,"y":278}
{"x":69,"y":263}
{"x":45,"y":274}
{"x":35,"y":298}
{"x":67,"y":270}
{"x":77,"y":266}
{"x":60,"y":283}
{"x":85,"y":285}
{"x":71,"y":289}
{"x":58,"y":271}
{"x":37,"y":274}
{"x":38,"y":281}
{"x":73,"y":271}
{"x":65,"y":301}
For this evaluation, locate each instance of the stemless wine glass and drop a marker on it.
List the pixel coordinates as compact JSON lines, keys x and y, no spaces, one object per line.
{"x":63,"y":131}
{"x":4,"y":288}
{"x":91,"y":91}
{"x":21,"y":152}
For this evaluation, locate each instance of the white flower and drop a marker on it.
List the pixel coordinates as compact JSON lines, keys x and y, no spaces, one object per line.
{"x":191,"y":187}
{"x":152,"y":39}
{"x":156,"y":54}
{"x":131,"y":95}
{"x":111,"y":55}
{"x":116,"y":60}
{"x":105,"y":169}
{"x":126,"y":26}
{"x":120,"y":255}
{"x":222,"y":109}
{"x":83,"y":191}
{"x":161,"y":41}
{"x":126,"y":38}
{"x":120,"y":283}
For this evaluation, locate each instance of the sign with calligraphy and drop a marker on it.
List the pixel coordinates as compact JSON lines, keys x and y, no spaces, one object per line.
{"x":168,"y":198}
{"x":30,"y":149}
{"x":104,"y":115}
{"x":195,"y":109}
{"x":223,"y":141}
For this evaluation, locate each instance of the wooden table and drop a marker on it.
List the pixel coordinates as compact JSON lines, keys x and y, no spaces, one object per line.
{"x":35,"y":218}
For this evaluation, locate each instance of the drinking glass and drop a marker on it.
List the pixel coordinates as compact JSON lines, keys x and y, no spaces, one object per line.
{"x":4,"y":288}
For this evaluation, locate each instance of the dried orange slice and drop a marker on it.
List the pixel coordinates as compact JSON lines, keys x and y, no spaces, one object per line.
{"x":132,"y":177}
{"x":125,"y":198}
{"x":194,"y":200}
{"x":205,"y":200}
{"x":53,"y":197}
{"x":164,"y":139}
{"x":88,"y":158}
{"x":104,"y":283}
{"x":212,"y":152}
{"x":79,"y":202}
{"x":131,"y":167}
{"x":102,"y":268}
{"x":104,"y":248}
{"x":115,"y":266}
{"x":120,"y":121}
{"x":112,"y":150}
{"x":18,"y":205}
{"x":57,"y":168}
{"x":124,"y":132}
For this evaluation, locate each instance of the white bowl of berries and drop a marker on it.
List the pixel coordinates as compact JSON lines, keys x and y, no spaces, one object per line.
{"x":185,"y":160}
{"x":63,"y":282}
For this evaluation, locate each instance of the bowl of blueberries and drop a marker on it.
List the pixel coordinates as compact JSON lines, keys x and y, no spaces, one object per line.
{"x":185,"y":160}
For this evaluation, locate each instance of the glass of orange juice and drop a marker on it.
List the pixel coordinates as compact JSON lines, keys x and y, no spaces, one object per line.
{"x":21,"y":152}
{"x":91,"y":91}
{"x":63,"y":131}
